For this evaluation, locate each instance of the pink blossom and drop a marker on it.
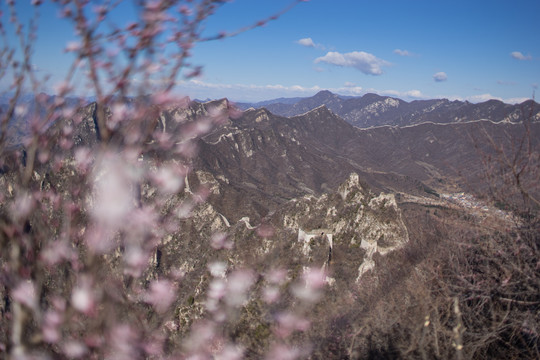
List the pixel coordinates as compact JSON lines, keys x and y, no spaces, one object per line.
{"x":22,"y":206}
{"x":163,"y":98}
{"x":123,"y":338}
{"x":169,"y":179}
{"x":74,"y":349}
{"x":309,"y":290}
{"x":83,"y":159}
{"x":120,"y":112}
{"x":201,"y":194}
{"x":276,"y":276}
{"x":265,"y":231}
{"x":184,"y":210}
{"x":201,"y":336}
{"x":51,"y":322}
{"x":161,"y":294}
{"x":66,"y":144}
{"x":230,"y":352}
{"x":315,"y":278}
{"x":154,"y":346}
{"x":217,"y":289}
{"x":136,"y":260}
{"x":21,"y":110}
{"x":282,"y":352}
{"x":25,"y":293}
{"x":141,"y":221}
{"x":234,"y":112}
{"x":43,"y":156}
{"x":82,"y":298}
{"x":177,"y":274}
{"x":56,"y":252}
{"x":59,"y":303}
{"x":62,"y":88}
{"x":188,"y":149}
{"x":68,"y":112}
{"x":271,"y":294}
{"x":219,"y":241}
{"x":171,"y":325}
{"x":238,"y":284}
{"x":113,"y":184}
{"x":73,"y":46}
{"x":217,"y":268}
{"x":288,"y":322}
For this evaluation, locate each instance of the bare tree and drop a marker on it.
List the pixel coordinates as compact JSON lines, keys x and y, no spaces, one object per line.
{"x":92,"y":192}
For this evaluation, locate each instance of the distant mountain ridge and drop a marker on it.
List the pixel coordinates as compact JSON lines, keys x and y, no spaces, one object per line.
{"x":373,"y":110}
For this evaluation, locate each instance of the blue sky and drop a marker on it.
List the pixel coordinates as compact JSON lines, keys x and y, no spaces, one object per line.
{"x":411,"y":49}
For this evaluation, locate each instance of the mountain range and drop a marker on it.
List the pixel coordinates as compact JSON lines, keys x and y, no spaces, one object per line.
{"x":374,"y":110}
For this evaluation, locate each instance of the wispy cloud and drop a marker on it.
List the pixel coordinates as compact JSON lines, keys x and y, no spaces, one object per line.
{"x":440,"y":76}
{"x":517,"y":100}
{"x":404,"y":53}
{"x":405,"y":95}
{"x":519,"y":56}
{"x":197,"y":88}
{"x":249,"y":92}
{"x":482,"y":98}
{"x":367,"y":63}
{"x":308,"y":42}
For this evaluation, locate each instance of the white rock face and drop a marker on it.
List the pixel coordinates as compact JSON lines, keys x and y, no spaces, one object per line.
{"x":208,"y":180}
{"x":381,"y":235}
{"x":305,"y":237}
{"x":381,"y":106}
{"x":352,"y":182}
{"x":356,"y":217}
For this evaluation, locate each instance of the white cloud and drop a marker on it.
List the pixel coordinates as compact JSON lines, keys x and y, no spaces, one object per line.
{"x":196,"y":88}
{"x":367,"y":63}
{"x":308,"y":42}
{"x":482,"y":97}
{"x":519,"y":56}
{"x":440,"y":76}
{"x":358,"y":91}
{"x":349,"y":90}
{"x":518,"y":100}
{"x":403,"y":52}
{"x":414,"y":94}
{"x":249,"y":92}
{"x":486,"y":97}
